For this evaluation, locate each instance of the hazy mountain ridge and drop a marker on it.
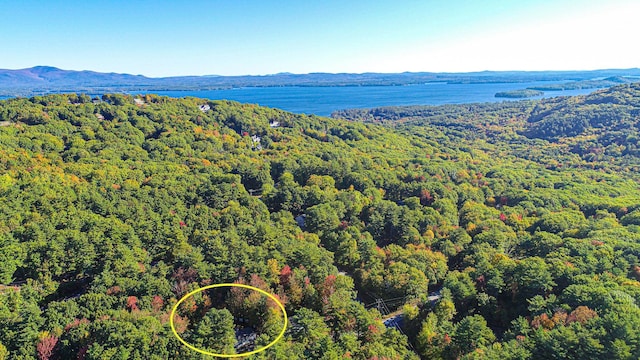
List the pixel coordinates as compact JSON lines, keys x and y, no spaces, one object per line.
{"x":47,"y":75}
{"x":43,"y":79}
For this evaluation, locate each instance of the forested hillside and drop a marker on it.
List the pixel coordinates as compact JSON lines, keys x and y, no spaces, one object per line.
{"x":598,"y":131}
{"x":489,"y":237}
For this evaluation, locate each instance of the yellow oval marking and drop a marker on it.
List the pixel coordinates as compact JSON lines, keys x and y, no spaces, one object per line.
{"x":271,"y":296}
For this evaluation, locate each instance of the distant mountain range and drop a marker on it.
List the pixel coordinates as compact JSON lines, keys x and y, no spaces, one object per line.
{"x":50,"y":76}
{"x":47,"y":79}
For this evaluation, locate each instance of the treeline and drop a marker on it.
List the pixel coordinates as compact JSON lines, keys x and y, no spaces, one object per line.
{"x":112,"y":209}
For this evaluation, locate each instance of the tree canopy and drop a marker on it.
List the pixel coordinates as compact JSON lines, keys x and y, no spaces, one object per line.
{"x":486,"y":228}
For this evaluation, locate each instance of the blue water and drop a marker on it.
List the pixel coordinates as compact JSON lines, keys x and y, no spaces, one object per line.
{"x":324,"y":100}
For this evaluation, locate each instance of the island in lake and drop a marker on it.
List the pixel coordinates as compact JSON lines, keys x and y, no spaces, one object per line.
{"x":571,"y":85}
{"x":522,"y":93}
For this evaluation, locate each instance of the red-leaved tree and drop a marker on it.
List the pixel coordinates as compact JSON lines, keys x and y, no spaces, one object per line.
{"x":45,"y":347}
{"x":132,"y":303}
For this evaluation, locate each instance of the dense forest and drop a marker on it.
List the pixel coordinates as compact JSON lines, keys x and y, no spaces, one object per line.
{"x":483,"y":231}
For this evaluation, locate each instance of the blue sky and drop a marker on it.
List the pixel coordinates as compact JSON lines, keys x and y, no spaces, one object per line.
{"x":236,"y":37}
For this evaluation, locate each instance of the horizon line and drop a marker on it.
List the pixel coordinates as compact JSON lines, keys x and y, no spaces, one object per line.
{"x":328,"y":73}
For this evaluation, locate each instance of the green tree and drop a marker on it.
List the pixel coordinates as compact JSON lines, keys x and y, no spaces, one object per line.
{"x":532,"y":277}
{"x":462,"y":289}
{"x":215,"y":332}
{"x":470,"y":333}
{"x":11,"y":257}
{"x":430,"y":341}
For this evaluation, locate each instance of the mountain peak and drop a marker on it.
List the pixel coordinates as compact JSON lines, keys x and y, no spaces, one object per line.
{"x":40,"y":69}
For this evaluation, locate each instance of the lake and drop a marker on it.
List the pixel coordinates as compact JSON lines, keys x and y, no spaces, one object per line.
{"x":324,"y":100}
